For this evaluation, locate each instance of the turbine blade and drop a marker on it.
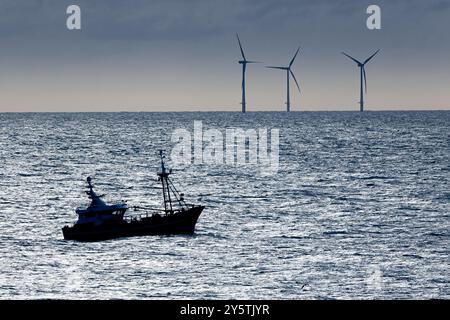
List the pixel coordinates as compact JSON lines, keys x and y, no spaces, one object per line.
{"x":365,"y":78}
{"x":240,"y":46}
{"x":370,"y":58}
{"x":243,"y":78}
{"x":280,"y":68}
{"x":295,"y":56}
{"x":351,"y":58}
{"x":293,"y":76}
{"x":253,"y":62}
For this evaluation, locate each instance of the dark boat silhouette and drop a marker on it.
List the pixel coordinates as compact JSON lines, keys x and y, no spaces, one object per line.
{"x":101,"y":221}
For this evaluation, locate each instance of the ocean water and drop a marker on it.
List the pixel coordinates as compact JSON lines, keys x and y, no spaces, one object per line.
{"x":360,"y":208}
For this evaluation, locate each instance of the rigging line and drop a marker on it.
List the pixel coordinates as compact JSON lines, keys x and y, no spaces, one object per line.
{"x":168,"y":194}
{"x":177,"y":194}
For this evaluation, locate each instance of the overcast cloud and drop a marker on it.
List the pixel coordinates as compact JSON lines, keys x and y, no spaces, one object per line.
{"x":152,"y":55}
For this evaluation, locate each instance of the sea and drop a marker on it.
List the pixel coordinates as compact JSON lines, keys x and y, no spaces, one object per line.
{"x":359,"y":208}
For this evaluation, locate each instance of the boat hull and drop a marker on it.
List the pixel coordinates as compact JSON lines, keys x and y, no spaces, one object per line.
{"x":182,"y":222}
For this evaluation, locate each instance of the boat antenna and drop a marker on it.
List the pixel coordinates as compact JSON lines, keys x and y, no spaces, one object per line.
{"x":96,"y":198}
{"x":162,"y":156}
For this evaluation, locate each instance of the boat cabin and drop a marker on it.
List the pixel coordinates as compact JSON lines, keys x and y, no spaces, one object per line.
{"x":98,"y":211}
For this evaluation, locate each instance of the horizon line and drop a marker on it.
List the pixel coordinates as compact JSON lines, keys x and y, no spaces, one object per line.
{"x":229,"y":111}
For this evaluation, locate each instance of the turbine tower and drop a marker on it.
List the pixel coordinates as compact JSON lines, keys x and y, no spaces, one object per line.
{"x":244,"y":63}
{"x":363,"y":78}
{"x":288,"y":74}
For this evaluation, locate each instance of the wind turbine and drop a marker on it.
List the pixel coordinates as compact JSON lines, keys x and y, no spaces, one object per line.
{"x":288,"y":74}
{"x":362,"y":67}
{"x":244,"y":63}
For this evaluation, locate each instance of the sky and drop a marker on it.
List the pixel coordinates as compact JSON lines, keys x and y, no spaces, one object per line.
{"x":182,"y":55}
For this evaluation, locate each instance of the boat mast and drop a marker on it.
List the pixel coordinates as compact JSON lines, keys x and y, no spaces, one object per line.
{"x":164,"y":176}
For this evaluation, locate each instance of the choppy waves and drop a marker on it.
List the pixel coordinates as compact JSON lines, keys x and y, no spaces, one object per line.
{"x":359,"y":209}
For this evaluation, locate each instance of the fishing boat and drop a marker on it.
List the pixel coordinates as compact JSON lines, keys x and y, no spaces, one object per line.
{"x":100,"y":221}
